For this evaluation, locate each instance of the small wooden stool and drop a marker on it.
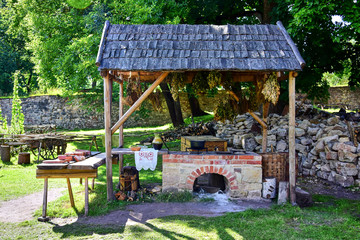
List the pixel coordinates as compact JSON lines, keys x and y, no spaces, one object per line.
{"x":24,"y":158}
{"x":5,"y":153}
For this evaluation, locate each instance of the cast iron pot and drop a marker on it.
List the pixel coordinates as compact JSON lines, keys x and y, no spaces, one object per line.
{"x":157,"y":146}
{"x":197,"y":144}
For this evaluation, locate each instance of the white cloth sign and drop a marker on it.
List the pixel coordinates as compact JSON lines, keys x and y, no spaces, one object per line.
{"x":146,"y":159}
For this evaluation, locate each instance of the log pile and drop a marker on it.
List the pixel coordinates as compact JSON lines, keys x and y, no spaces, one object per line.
{"x":195,"y":129}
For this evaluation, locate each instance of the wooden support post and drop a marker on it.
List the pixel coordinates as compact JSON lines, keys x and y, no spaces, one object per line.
{"x":43,"y":217}
{"x":107,"y":119}
{"x":86,"y":196}
{"x":121,"y":110}
{"x":264,"y":130}
{"x":121,"y":128}
{"x":70,"y":192}
{"x":138,"y":102}
{"x":292,"y":153}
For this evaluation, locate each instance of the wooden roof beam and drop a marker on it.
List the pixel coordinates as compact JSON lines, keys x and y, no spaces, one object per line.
{"x":138,"y":102}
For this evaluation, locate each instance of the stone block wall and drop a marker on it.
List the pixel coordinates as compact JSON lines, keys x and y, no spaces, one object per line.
{"x":323,"y":144}
{"x":344,"y":96}
{"x":243,"y":173}
{"x":59,"y":111}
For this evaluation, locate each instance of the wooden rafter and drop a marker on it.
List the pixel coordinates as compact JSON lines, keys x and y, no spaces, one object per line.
{"x":138,"y":102}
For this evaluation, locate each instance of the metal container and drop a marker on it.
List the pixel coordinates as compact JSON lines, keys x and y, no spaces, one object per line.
{"x":197,"y":144}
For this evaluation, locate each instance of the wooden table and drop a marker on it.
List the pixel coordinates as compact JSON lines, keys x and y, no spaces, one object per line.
{"x":83,"y":169}
{"x":211,"y":143}
{"x":124,"y":151}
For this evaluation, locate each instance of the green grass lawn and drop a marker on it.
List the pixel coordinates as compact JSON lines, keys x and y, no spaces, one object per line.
{"x":19,"y":180}
{"x":329,"y":218}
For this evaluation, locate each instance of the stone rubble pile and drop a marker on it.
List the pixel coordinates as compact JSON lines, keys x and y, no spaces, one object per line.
{"x":323,"y":144}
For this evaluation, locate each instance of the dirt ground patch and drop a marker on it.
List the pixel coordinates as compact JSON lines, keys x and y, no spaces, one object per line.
{"x":22,"y":209}
{"x":140,"y":213}
{"x":318,"y":186}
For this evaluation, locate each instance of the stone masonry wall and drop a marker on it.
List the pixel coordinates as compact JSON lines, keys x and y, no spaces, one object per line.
{"x":44,"y":110}
{"x":344,"y":97}
{"x":242,"y":172}
{"x":323,"y":144}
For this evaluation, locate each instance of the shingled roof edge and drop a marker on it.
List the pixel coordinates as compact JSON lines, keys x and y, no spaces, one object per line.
{"x":102,"y":43}
{"x":102,"y":55}
{"x":291,"y":43}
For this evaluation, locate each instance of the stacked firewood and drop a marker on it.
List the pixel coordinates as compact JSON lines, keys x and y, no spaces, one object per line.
{"x":195,"y":129}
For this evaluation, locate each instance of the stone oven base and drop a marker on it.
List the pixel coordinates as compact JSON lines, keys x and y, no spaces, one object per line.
{"x":243,"y":173}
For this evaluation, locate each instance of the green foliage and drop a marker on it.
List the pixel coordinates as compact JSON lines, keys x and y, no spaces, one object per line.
{"x":80,"y":4}
{"x":224,"y":110}
{"x":325,"y":46}
{"x":3,"y":123}
{"x":17,"y":116}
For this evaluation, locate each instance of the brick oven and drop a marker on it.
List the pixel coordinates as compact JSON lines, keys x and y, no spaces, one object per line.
{"x":242,"y":173}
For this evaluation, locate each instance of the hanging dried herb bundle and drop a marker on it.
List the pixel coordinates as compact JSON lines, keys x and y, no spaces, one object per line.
{"x":224,"y":110}
{"x":266,"y":90}
{"x":200,"y":82}
{"x":271,"y":89}
{"x":214,"y":79}
{"x":133,"y":92}
{"x":155,"y":100}
{"x":256,"y":98}
{"x":177,"y":83}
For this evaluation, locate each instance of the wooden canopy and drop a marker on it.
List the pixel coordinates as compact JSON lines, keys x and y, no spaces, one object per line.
{"x":150,"y":52}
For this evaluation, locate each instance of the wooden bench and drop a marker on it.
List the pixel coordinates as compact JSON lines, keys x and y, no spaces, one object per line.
{"x":83,"y":169}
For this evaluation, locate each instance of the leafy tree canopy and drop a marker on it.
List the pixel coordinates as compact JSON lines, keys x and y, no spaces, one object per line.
{"x":56,"y":41}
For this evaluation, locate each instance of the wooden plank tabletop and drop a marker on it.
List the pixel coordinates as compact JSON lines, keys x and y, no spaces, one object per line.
{"x":89,"y":163}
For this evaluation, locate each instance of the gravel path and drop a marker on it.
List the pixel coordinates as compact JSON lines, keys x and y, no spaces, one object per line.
{"x":23,"y":208}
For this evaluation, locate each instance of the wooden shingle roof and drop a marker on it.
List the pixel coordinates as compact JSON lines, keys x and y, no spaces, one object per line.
{"x":197,"y":47}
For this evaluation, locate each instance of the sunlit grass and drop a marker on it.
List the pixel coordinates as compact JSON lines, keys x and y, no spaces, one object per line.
{"x":333,"y":110}
{"x":336,"y":220}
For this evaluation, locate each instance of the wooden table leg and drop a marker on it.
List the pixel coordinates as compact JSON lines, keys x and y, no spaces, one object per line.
{"x":43,"y":218}
{"x":86,"y":197}
{"x":121,"y":165}
{"x":70,"y":192}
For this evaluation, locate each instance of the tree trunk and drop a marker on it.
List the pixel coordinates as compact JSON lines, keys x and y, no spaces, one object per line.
{"x":179,"y":117}
{"x":195,"y":106}
{"x":173,"y":106}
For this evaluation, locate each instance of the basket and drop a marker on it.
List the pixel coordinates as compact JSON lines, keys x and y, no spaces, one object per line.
{"x":277,"y":165}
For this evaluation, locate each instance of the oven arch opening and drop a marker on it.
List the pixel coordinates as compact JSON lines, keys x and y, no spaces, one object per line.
{"x":211,"y":183}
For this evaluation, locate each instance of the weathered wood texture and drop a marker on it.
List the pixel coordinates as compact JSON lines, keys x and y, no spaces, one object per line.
{"x":89,"y":163}
{"x":264,"y":130}
{"x":292,"y":137}
{"x":107,"y":117}
{"x":5,"y":153}
{"x":24,"y":158}
{"x":70,"y":192}
{"x":258,"y":119}
{"x":65,"y":173}
{"x":211,"y":143}
{"x":137,"y":103}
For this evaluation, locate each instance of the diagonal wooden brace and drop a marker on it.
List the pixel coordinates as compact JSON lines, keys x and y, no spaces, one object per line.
{"x":258,"y":119}
{"x":138,"y":102}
